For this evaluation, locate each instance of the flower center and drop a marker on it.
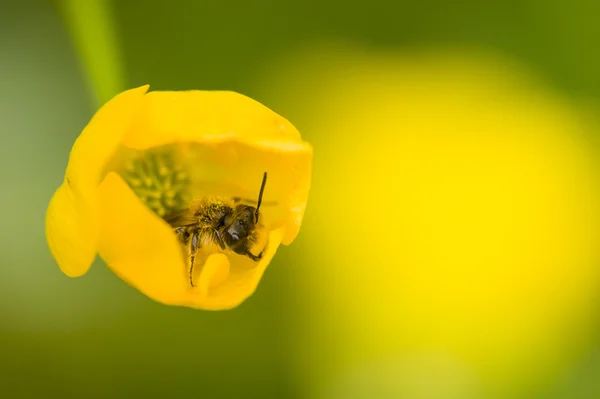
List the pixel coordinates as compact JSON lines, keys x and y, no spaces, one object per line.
{"x":158,"y":179}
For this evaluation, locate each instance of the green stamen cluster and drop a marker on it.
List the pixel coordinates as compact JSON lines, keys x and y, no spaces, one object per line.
{"x":159,"y":181}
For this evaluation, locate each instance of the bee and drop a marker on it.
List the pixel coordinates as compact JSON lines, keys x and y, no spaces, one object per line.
{"x":217,"y":223}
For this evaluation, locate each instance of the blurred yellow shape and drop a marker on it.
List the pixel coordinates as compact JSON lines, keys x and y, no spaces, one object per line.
{"x":463,"y":219}
{"x":191,"y":142}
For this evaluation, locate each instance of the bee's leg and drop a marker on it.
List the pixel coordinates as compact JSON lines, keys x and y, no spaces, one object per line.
{"x":255,"y":258}
{"x":194,"y":244}
{"x":249,"y":254}
{"x":245,"y":249}
{"x":219,"y":240}
{"x":182,"y":235}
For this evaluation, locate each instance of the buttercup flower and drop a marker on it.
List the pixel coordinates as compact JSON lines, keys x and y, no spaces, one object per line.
{"x":145,"y":155}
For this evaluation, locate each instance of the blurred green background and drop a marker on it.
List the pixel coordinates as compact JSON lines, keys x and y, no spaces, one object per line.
{"x":96,"y":337}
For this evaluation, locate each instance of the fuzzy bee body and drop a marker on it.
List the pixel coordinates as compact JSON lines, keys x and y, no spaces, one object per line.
{"x":216,"y":224}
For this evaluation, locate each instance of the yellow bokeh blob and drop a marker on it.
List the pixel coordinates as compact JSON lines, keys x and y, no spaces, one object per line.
{"x":455,"y":212}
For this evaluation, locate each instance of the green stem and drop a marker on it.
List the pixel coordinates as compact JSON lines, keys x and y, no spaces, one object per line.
{"x":92,"y":28}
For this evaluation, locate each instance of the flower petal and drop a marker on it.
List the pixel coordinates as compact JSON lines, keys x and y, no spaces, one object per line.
{"x":203,"y":116}
{"x":214,"y":272}
{"x":71,"y":231}
{"x":101,"y":137}
{"x":242,"y":278}
{"x":72,"y":216}
{"x":246,"y":137}
{"x":138,"y":246}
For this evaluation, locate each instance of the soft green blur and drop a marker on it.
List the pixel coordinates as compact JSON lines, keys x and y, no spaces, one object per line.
{"x":305,"y":333}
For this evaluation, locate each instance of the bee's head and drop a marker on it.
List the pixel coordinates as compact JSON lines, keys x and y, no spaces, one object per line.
{"x":240,"y":223}
{"x":243,"y":219}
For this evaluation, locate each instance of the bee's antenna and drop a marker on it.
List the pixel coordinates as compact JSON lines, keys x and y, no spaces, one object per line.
{"x":260,"y":194}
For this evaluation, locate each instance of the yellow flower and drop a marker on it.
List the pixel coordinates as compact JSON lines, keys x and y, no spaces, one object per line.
{"x":144,"y":155}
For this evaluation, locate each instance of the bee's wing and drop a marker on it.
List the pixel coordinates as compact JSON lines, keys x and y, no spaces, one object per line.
{"x":181,"y":218}
{"x":252,"y":202}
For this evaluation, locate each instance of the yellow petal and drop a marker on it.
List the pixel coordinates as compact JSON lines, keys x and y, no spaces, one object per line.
{"x":214,"y":272}
{"x":138,"y":246}
{"x":242,"y":278}
{"x":244,"y":137}
{"x":72,"y":216}
{"x":195,"y":115}
{"x":101,"y":137}
{"x":71,"y":233}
